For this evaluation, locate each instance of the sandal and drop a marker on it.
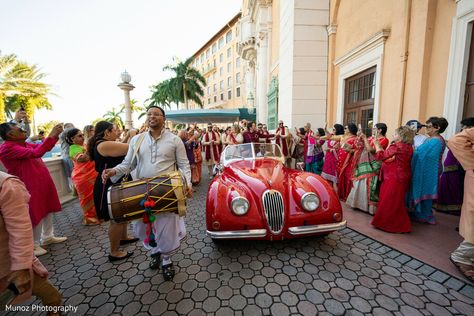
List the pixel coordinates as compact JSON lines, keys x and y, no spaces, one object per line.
{"x":114,"y":258}
{"x":168,"y":272}
{"x":128,"y":241}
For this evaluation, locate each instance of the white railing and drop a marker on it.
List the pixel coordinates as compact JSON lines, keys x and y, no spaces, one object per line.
{"x":56,"y":170}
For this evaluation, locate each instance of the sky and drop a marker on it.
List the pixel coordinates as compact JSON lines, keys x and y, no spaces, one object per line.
{"x":84,"y":45}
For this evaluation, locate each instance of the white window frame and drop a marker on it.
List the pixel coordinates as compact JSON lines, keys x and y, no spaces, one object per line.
{"x":457,"y":65}
{"x":368,"y":54}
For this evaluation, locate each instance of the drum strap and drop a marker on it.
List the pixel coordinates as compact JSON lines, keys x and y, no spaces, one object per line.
{"x":135,"y":152}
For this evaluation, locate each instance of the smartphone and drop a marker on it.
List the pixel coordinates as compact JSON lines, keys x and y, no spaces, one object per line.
{"x":359,"y":127}
{"x":414,"y":126}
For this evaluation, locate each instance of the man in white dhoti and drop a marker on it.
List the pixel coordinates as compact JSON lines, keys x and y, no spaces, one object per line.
{"x":159,"y":152}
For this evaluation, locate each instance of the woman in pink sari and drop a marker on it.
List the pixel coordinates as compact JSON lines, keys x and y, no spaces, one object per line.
{"x":330,"y":159}
{"x":83,"y":175}
{"x":345,"y":166}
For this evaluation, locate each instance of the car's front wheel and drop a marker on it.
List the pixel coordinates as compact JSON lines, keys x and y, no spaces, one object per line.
{"x":218,"y":241}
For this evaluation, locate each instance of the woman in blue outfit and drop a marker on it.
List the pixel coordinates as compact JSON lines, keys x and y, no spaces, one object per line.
{"x":426,"y":169}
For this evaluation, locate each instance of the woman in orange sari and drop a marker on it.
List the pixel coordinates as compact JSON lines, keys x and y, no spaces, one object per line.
{"x":196,"y":172}
{"x":83,"y":175}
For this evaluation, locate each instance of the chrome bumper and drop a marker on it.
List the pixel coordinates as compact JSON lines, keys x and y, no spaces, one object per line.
{"x":234,"y":234}
{"x":311,"y":229}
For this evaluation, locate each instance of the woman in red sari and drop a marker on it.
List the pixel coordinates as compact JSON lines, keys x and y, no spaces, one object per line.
{"x":345,"y":165}
{"x":392,"y":215}
{"x":83,"y":175}
{"x":364,"y":193}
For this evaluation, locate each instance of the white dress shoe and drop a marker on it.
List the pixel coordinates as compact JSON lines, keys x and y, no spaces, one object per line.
{"x":39,"y":251}
{"x":53,"y":240}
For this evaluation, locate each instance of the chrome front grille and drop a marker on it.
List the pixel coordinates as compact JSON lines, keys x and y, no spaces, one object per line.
{"x":274,"y":210}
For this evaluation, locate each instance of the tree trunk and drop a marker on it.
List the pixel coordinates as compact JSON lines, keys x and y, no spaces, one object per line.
{"x":185,"y":97}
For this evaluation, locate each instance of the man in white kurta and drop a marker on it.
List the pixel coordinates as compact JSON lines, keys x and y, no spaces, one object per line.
{"x":160,"y":152}
{"x":211,"y":141}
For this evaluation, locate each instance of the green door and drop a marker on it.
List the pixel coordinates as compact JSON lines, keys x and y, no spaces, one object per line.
{"x":273,"y":104}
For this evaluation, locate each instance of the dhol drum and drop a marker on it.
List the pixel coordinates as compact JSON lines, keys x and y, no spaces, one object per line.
{"x":168,"y":191}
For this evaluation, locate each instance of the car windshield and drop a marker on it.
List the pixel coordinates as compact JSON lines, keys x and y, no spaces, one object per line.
{"x":250,"y":151}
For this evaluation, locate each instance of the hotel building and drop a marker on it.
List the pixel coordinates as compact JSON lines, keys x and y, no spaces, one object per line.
{"x":217,"y":60}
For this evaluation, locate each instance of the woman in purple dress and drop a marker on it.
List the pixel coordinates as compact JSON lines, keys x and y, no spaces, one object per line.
{"x":451,"y":186}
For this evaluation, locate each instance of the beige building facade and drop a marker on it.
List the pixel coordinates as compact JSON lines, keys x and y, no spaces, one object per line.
{"x":391,"y":61}
{"x":284,"y":45}
{"x":361,"y":61}
{"x":218,"y":61}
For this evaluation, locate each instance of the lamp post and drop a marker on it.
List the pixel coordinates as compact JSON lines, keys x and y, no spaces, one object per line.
{"x":126,"y":86}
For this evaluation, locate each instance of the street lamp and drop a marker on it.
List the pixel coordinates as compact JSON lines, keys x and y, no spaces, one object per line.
{"x":126,"y":86}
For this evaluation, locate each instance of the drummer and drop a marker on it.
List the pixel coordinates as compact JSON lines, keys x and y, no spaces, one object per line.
{"x":159,"y":152}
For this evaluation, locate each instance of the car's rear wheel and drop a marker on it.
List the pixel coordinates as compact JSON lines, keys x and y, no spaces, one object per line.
{"x":323,"y":235}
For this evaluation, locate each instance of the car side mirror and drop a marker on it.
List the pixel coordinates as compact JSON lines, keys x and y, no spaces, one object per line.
{"x":218,"y":168}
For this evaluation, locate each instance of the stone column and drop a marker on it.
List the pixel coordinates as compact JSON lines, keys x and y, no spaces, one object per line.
{"x":262,"y":78}
{"x":126,"y":86}
{"x":249,"y":84}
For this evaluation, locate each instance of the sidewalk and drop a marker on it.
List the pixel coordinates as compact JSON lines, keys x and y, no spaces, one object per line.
{"x":431,"y":244}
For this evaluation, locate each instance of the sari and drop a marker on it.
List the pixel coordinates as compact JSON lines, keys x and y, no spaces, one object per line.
{"x":197,"y":170}
{"x":426,"y":170}
{"x":364,"y":194}
{"x":392,"y":215}
{"x":298,"y":151}
{"x":84,"y":175}
{"x":451,"y":186}
{"x":314,"y":156}
{"x":345,"y":167}
{"x":330,"y":161}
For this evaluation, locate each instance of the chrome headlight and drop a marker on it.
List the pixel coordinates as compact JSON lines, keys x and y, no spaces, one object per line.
{"x":240,"y":205}
{"x":310,"y":201}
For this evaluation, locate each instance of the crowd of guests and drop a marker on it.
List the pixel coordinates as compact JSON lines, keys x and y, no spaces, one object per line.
{"x":92,"y":155}
{"x":398,"y":181}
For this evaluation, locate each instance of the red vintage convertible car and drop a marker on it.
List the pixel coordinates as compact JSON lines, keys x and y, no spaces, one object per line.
{"x":254,"y":196}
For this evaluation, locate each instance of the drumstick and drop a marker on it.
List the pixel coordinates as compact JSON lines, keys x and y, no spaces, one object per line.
{"x":103,"y":189}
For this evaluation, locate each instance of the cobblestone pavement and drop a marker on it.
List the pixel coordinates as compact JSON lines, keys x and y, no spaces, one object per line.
{"x":343,"y":273}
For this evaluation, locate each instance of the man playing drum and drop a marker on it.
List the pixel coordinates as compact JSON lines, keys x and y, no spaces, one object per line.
{"x":160,"y":152}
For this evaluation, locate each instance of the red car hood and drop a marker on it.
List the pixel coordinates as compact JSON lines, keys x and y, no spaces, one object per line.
{"x":259,"y":175}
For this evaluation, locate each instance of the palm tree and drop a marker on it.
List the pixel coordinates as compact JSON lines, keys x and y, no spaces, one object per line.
{"x":187,"y":82}
{"x":163,"y":94}
{"x":21,"y":85}
{"x":114,"y":116}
